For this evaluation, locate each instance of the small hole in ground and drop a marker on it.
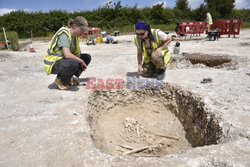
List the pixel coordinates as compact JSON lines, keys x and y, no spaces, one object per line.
{"x":244,"y":44}
{"x":150,"y":123}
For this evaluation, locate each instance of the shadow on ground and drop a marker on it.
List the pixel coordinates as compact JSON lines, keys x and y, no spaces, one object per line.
{"x":132,"y":74}
{"x":54,"y":86}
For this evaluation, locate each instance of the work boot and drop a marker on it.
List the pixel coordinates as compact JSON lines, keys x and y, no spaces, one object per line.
{"x":73,"y":81}
{"x":62,"y":86}
{"x":161,"y":74}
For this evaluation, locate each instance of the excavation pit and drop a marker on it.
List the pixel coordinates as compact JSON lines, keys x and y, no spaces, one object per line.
{"x":247,"y":44}
{"x":208,"y":60}
{"x":198,"y":60}
{"x":150,"y":122}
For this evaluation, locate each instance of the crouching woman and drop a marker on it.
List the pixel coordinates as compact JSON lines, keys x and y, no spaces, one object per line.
{"x":64,"y":57}
{"x":153,"y":44}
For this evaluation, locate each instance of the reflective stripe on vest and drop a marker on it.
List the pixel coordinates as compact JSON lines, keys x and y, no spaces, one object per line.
{"x":52,"y":56}
{"x":156,"y":44}
{"x":166,"y":56}
{"x":210,"y":22}
{"x":155,"y":36}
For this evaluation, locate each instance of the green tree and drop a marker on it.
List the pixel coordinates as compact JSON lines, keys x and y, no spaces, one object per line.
{"x":169,"y":16}
{"x":199,"y":13}
{"x":156,"y":14}
{"x":115,"y":17}
{"x":132,"y":14}
{"x":241,"y":14}
{"x":182,"y":5}
{"x":220,"y":8}
{"x":182,"y":11}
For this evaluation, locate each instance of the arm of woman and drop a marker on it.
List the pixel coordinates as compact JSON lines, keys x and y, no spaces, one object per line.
{"x":139,"y":58}
{"x":69,"y":55}
{"x":168,"y":39}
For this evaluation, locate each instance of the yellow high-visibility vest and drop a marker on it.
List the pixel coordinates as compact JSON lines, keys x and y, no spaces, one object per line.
{"x":156,"y":44}
{"x":53,"y":56}
{"x":209,"y":18}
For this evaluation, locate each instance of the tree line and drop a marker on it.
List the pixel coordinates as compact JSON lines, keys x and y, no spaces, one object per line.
{"x":115,"y":15}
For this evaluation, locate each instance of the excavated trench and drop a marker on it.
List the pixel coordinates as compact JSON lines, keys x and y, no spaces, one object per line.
{"x":191,"y":60}
{"x":150,"y":122}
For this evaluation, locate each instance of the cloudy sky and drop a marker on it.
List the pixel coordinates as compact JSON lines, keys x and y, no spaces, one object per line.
{"x":72,"y":5}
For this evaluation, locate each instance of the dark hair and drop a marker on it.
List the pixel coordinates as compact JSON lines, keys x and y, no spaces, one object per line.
{"x":147,"y":25}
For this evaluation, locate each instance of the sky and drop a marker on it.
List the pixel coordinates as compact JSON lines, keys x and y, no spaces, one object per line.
{"x":7,"y":6}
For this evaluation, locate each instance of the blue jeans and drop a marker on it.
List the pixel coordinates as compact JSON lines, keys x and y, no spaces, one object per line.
{"x":66,"y":68}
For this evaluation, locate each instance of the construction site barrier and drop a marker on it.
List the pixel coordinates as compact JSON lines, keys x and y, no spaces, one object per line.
{"x":234,"y":26}
{"x":230,"y":27}
{"x":3,"y":44}
{"x":190,"y":27}
{"x":220,"y":25}
{"x":92,"y":31}
{"x":200,"y":27}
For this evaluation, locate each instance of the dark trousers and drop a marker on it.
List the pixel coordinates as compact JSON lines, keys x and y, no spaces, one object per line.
{"x":66,"y":68}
